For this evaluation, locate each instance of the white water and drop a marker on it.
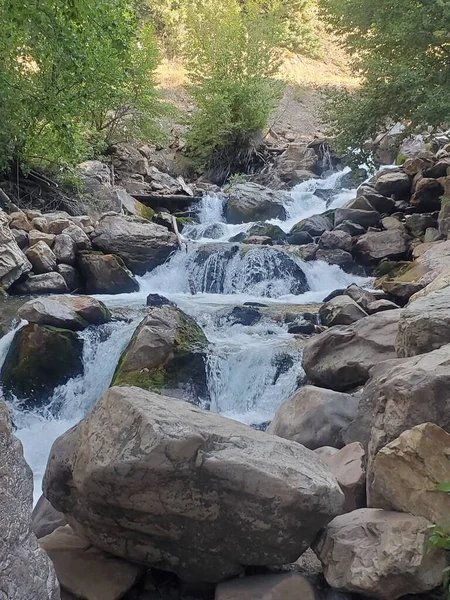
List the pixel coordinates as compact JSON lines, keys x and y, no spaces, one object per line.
{"x":251,"y":369}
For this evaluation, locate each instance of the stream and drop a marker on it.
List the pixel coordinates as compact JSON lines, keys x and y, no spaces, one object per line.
{"x":251,"y":369}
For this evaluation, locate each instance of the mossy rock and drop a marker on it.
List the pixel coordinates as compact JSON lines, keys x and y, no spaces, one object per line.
{"x":40,"y":359}
{"x":166,"y":355}
{"x":273,"y":231}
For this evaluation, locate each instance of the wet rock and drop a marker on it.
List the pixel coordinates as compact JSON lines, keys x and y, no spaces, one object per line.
{"x":348,"y":466}
{"x":65,"y":249}
{"x":26,"y":571}
{"x":106,"y":274}
{"x":157,"y":300}
{"x":374,"y":246}
{"x":302,"y":328}
{"x":314,"y":417}
{"x":42,"y":258}
{"x":248,"y":202}
{"x":73,"y":313}
{"x":140,"y":244}
{"x":272,"y":231}
{"x":287,"y":586}
{"x":426,"y":197}
{"x":39,"y":359}
{"x":300,"y":238}
{"x":244,"y":316}
{"x":336,"y":240}
{"x":47,"y":283}
{"x":380,"y":554}
{"x":315,"y":226}
{"x":45,"y":519}
{"x":166,"y":355}
{"x":351,"y":228}
{"x":394,"y":183}
{"x":307,"y":252}
{"x":341,"y":310}
{"x":258,"y":240}
{"x":341,"y":357}
{"x":152,"y":510}
{"x":70,"y":276}
{"x":13,"y":262}
{"x":405,"y":473}
{"x":365,"y":218}
{"x":336,"y":257}
{"x":417,"y":224}
{"x":36,"y":236}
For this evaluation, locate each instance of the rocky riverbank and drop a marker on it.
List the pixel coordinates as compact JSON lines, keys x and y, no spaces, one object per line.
{"x":152,"y":495}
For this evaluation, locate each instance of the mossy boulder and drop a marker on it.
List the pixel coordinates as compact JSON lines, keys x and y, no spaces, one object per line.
{"x":40,"y":358}
{"x":166,"y":355}
{"x":274,"y":232}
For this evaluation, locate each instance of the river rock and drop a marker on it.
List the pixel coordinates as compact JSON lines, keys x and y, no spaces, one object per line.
{"x":405,"y":473}
{"x":266,"y":229}
{"x":13,"y":262}
{"x":414,"y":165}
{"x":86,"y":572}
{"x":53,"y":225}
{"x":426,"y":197}
{"x":314,"y":226}
{"x":380,"y":203}
{"x":19,"y":220}
{"x":373,"y":246}
{"x":341,"y":358}
{"x":75,"y":312}
{"x":166,"y":355}
{"x":26,"y":571}
{"x":341,"y":310}
{"x":380,"y":554}
{"x":394,"y":183}
{"x":45,"y":519}
{"x":336,"y":257}
{"x":314,"y":417}
{"x":106,"y":274}
{"x":417,"y":224}
{"x":42,"y":258}
{"x":258,"y":240}
{"x":441,"y":282}
{"x":36,"y":236}
{"x":424,"y":324}
{"x":248,"y":202}
{"x":39,"y":359}
{"x":283,"y":586}
{"x":70,"y":276}
{"x":352,"y":229}
{"x":142,"y":245}
{"x":21,"y":238}
{"x":348,"y":466}
{"x":141,"y":495}
{"x":390,"y":223}
{"x":65,"y":249}
{"x":432,"y":234}
{"x":336,"y":239}
{"x":365,"y":218}
{"x":47,"y":283}
{"x":380,"y":305}
{"x":79,"y":237}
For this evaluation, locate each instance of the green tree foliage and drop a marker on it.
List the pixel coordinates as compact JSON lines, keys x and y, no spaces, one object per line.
{"x":74,"y":75}
{"x":231,"y":56}
{"x":401,"y":50}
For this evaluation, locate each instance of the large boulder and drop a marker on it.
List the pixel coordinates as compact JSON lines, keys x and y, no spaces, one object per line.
{"x":65,"y":249}
{"x":405,"y":473}
{"x":282,"y":586}
{"x":142,"y":245}
{"x":341,"y":310}
{"x":106,"y":274}
{"x":46,"y":283}
{"x":13,"y":262}
{"x":394,"y":183}
{"x":165,"y":484}
{"x":45,"y":519}
{"x":336,"y":239}
{"x":26,"y":571}
{"x":380,"y":554}
{"x":166,"y":355}
{"x":341,"y":358}
{"x":39,"y":359}
{"x":314,"y":417}
{"x":248,"y":202}
{"x":71,"y":312}
{"x":424,"y":324}
{"x":427,"y":194}
{"x":314,"y":226}
{"x":365,"y":218}
{"x":42,"y":258}
{"x":373,"y":246}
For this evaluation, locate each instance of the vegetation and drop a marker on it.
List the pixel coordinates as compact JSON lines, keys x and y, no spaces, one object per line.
{"x":401,"y":52}
{"x":440,"y":538}
{"x":232,"y":57}
{"x":74,"y":76}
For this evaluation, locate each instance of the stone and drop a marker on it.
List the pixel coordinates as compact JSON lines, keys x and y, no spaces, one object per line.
{"x":65,"y":249}
{"x":314,"y":226}
{"x":380,"y":305}
{"x":56,"y":226}
{"x":283,"y":586}
{"x":266,"y":229}
{"x":21,"y":238}
{"x":441,"y":282}
{"x":26,"y":571}
{"x":380,"y":554}
{"x":47,"y":283}
{"x":401,"y":291}
{"x":300,"y":238}
{"x":365,"y":218}
{"x":19,"y":220}
{"x":142,"y":245}
{"x":248,"y":202}
{"x":36,"y":236}
{"x":39,"y":359}
{"x":73,"y":312}
{"x":414,"y":165}
{"x":432,"y":234}
{"x":336,"y":239}
{"x":166,"y":355}
{"x":380,"y":203}
{"x":45,"y":519}
{"x":360,"y":203}
{"x":426,"y":197}
{"x":348,"y":466}
{"x":405,"y":473}
{"x":439,"y":169}
{"x":307,"y":252}
{"x":390,"y":223}
{"x":302,"y":328}
{"x":165,"y":484}
{"x":424,"y":324}
{"x":336,"y":257}
{"x":360,"y":295}
{"x":393,"y":184}
{"x":86,"y":572}
{"x":341,"y":310}
{"x":341,"y":357}
{"x":13,"y":262}
{"x":314,"y":417}
{"x":417,"y":224}
{"x":258,"y":240}
{"x":372,"y":247}
{"x":106,"y":274}
{"x":81,"y":240}
{"x":351,"y":228}
{"x":70,"y":276}
{"x":42,"y":258}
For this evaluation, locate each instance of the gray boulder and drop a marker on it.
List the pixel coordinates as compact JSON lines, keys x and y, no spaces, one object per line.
{"x":42,"y":258}
{"x":73,"y":312}
{"x":13,"y":262}
{"x":162,"y":483}
{"x":106,"y":274}
{"x":248,"y":202}
{"x":46,"y":283}
{"x":314,"y":226}
{"x":336,"y":239}
{"x":394,"y":183}
{"x":373,"y":246}
{"x":45,"y":519}
{"x":65,"y":249}
{"x":365,"y":218}
{"x":341,"y":310}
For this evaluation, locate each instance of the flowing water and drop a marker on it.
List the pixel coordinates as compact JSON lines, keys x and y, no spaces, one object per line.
{"x":251,"y":369}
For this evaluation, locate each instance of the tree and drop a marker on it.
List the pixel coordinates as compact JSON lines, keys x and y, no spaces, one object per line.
{"x":74,"y":76}
{"x":401,"y":51}
{"x":232,"y":58}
